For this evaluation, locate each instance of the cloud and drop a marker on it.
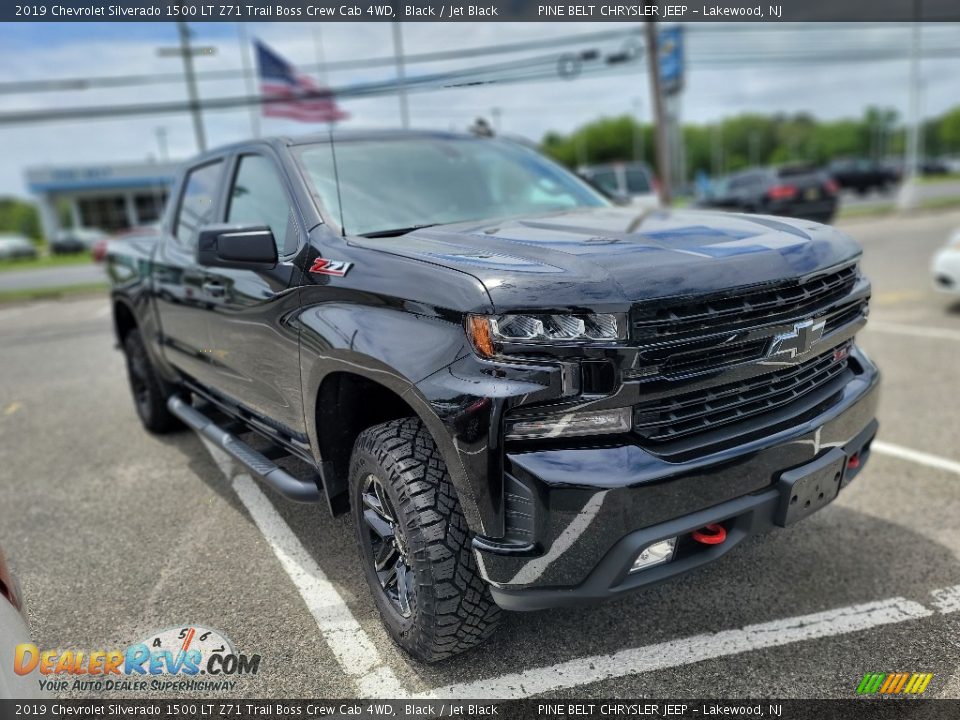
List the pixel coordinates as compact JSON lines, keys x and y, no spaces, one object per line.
{"x":714,"y":89}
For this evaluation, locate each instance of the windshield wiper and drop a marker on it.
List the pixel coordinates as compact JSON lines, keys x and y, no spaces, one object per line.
{"x":396,"y":232}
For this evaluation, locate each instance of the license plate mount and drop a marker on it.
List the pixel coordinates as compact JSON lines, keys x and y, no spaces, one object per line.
{"x":809,"y":487}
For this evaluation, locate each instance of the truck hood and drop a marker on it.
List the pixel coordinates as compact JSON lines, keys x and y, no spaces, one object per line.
{"x":600,"y":258}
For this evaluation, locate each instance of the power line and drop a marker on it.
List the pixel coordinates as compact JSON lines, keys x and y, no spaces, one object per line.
{"x":553,"y":67}
{"x":60,"y":84}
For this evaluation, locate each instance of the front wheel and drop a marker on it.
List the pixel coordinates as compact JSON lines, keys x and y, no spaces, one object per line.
{"x":150,"y":393}
{"x":415,"y":544}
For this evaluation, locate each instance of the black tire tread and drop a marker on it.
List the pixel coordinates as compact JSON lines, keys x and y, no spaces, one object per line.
{"x":159,"y":420}
{"x":455,"y":611}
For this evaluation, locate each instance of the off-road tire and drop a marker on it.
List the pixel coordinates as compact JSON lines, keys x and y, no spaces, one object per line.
{"x":450,"y":607}
{"x":150,"y":393}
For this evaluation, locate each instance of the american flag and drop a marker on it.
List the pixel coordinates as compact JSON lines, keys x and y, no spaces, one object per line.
{"x":302,"y":98}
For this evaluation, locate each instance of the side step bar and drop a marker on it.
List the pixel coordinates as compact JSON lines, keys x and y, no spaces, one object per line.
{"x":272,"y":474}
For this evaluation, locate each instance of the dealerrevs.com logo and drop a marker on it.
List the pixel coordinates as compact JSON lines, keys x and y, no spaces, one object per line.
{"x":190,"y":658}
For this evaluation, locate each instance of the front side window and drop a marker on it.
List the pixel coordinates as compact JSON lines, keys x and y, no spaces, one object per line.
{"x":395,"y":183}
{"x":197,"y":202}
{"x":259,"y":198}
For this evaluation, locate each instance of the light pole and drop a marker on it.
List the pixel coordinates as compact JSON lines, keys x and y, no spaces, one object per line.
{"x":638,"y":129}
{"x":401,"y":74}
{"x":908,"y":196}
{"x":162,"y":143}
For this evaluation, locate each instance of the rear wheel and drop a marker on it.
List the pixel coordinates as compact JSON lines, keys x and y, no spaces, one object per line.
{"x":415,"y":544}
{"x":150,"y":393}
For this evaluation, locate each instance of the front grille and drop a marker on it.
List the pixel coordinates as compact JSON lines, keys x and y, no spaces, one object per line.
{"x":701,"y":411}
{"x":758,"y":305}
{"x":694,"y":358}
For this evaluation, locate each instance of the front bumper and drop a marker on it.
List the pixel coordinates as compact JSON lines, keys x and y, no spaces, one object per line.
{"x":596,"y":508}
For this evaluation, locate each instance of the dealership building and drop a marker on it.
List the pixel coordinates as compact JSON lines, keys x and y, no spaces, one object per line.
{"x":106,"y":197}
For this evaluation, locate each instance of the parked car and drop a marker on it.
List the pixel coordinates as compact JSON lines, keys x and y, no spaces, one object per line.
{"x":946,"y":266}
{"x":13,"y":632}
{"x":526,"y":396}
{"x":99,"y":250}
{"x":16,"y":247}
{"x":75,"y":240}
{"x":862,"y":175}
{"x":933,"y":167}
{"x":633,"y":182}
{"x":790,"y":191}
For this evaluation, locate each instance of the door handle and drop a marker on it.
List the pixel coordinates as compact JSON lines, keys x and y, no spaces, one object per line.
{"x":214,"y":289}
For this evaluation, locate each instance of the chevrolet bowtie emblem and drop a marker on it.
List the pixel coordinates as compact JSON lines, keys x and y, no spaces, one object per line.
{"x":798,"y":341}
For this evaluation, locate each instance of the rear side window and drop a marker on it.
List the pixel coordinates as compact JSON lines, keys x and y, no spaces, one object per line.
{"x":258,"y":198}
{"x":638,"y":181}
{"x":197,"y":202}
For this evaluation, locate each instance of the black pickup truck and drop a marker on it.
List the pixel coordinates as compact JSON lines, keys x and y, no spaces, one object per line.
{"x":526,"y":396}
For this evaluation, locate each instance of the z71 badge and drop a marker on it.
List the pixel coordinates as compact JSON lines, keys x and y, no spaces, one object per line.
{"x":323,"y":266}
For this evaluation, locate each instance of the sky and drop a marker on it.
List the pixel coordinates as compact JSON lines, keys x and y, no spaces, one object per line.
{"x":729,"y":72}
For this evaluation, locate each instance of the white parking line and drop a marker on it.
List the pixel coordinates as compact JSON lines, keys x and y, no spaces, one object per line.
{"x":360,"y":660}
{"x":914,"y":330}
{"x":934,"y":461}
{"x":355,"y":652}
{"x":947,"y":600}
{"x":686,"y":651}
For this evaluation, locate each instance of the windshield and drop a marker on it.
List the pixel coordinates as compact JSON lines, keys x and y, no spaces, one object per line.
{"x":398,"y":183}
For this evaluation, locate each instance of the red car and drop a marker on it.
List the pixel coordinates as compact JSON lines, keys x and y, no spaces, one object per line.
{"x":99,"y":249}
{"x":13,"y":631}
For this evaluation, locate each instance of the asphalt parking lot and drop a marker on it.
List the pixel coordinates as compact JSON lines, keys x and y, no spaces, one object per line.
{"x":115,"y":534}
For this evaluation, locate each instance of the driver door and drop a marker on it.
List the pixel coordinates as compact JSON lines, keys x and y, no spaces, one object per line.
{"x":256,"y":347}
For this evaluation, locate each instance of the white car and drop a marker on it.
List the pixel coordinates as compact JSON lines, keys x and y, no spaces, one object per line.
{"x":946,"y":266}
{"x":634,"y":182}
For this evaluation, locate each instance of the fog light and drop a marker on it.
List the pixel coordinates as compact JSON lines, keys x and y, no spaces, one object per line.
{"x":656,"y":554}
{"x":594,"y":422}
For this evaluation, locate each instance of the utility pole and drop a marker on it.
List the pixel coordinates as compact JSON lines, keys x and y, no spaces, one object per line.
{"x":401,"y":74}
{"x":186,"y":52}
{"x":248,"y":77}
{"x":659,"y":118}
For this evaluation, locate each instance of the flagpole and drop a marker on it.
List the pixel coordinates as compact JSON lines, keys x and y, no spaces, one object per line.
{"x":401,"y":75}
{"x":255,"y":110}
{"x":321,"y":56}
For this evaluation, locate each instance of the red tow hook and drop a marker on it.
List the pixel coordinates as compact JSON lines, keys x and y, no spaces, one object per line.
{"x":854,"y":462}
{"x":710,"y":534}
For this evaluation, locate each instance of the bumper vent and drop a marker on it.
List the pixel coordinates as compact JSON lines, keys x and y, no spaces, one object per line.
{"x":702,"y":411}
{"x":518,"y":510}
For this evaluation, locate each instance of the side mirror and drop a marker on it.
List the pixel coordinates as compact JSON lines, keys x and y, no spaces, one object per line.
{"x":240,"y":247}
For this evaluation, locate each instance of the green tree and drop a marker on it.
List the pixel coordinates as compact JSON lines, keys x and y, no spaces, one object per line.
{"x":18,"y":216}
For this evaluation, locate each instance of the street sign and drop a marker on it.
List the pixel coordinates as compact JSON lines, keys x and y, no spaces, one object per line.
{"x":670,"y":42}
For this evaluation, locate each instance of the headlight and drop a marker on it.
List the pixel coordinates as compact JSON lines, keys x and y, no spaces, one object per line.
{"x":489,"y":332}
{"x":574,"y":424}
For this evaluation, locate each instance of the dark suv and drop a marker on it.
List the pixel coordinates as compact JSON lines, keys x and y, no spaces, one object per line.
{"x":790,"y":191}
{"x":526,"y":396}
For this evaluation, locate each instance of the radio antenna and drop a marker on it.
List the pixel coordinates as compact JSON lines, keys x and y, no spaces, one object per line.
{"x":336,"y":179}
